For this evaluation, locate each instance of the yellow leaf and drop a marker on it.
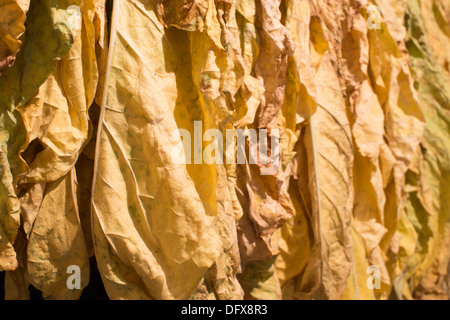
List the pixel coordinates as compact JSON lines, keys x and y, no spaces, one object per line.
{"x":330,"y":159}
{"x":154,"y":236}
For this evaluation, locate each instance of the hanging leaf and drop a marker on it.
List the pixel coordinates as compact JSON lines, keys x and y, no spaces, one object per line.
{"x":12,"y":26}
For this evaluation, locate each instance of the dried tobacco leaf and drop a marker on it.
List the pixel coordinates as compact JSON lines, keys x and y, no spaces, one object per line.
{"x":426,"y":270}
{"x":362,"y":119}
{"x":19,"y":83}
{"x":152,"y":234}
